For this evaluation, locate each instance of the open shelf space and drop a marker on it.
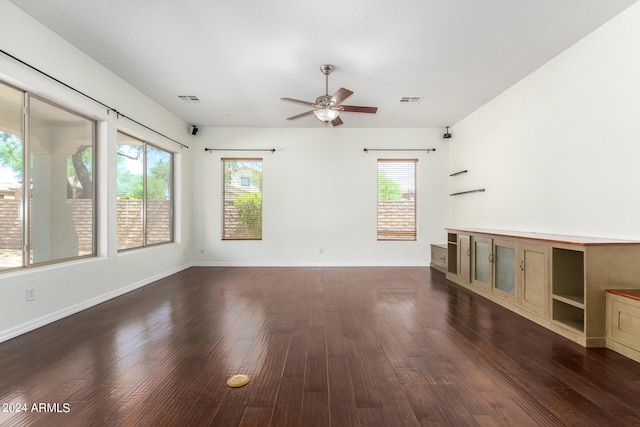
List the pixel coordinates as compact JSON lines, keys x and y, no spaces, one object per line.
{"x":575,"y":300}
{"x":452,"y":253}
{"x":568,"y":315}
{"x":568,"y":273}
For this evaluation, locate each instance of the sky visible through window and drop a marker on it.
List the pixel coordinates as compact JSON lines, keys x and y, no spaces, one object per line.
{"x":8,"y":175}
{"x":406,"y":181}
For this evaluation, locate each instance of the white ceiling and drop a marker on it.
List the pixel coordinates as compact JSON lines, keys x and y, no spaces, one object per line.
{"x":240,"y":57}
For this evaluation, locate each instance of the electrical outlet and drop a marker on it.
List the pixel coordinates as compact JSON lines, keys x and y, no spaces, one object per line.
{"x":321,"y":251}
{"x":31,"y":294}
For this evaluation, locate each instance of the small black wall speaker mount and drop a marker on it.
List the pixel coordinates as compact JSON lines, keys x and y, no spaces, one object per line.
{"x":194,"y":130}
{"x":447,"y":135}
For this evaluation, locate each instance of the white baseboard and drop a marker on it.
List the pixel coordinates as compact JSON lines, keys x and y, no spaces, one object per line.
{"x":311,"y":264}
{"x":68,"y":311}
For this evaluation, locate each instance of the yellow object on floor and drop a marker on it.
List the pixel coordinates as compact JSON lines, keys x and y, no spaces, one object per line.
{"x":238,"y":380}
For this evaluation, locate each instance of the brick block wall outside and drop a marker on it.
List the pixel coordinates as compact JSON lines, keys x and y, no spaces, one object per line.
{"x":395,"y":216}
{"x":159,"y":220}
{"x":392,"y":215}
{"x":129,"y":222}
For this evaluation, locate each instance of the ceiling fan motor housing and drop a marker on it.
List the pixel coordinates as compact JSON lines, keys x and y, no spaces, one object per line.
{"x":324,"y":101}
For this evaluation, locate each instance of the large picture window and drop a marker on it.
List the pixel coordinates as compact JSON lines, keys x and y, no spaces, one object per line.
{"x":145,"y":193}
{"x":47,"y":176}
{"x":242,"y":199}
{"x":397,"y":199}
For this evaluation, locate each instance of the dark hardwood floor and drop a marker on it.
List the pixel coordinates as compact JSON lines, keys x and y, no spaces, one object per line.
{"x":323,"y":347}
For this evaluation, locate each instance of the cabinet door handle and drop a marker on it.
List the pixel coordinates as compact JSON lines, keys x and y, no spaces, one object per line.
{"x":522,"y":265}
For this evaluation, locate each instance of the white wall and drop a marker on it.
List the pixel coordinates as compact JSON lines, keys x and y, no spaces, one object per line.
{"x":319,"y":193}
{"x":559,"y":151}
{"x":62,"y":289}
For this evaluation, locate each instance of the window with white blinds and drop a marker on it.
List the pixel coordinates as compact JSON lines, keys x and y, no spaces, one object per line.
{"x":242,"y":199}
{"x":397,"y":199}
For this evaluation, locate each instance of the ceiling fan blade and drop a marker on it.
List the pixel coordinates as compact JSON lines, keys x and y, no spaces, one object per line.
{"x":300,"y":115}
{"x":357,"y":109}
{"x":341,"y":95}
{"x":337,"y":121}
{"x":297,"y":101}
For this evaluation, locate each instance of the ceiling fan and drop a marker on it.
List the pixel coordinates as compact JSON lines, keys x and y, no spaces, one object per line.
{"x":327,"y":108}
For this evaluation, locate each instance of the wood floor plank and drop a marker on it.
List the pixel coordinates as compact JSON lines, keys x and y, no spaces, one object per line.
{"x":315,"y":375}
{"x":315,"y":409}
{"x":342,"y":402}
{"x":343,"y":346}
{"x":288,"y":409}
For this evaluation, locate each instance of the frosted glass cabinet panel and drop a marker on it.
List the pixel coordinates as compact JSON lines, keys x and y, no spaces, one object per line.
{"x":505,"y":261}
{"x":482,"y":261}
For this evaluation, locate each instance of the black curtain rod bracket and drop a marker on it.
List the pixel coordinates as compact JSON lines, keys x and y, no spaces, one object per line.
{"x":366,"y":150}
{"x":118,"y":114}
{"x":479,"y":190}
{"x":273,"y":150}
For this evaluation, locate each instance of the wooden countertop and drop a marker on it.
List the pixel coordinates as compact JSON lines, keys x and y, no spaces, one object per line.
{"x":628,"y":293}
{"x":555,"y":238}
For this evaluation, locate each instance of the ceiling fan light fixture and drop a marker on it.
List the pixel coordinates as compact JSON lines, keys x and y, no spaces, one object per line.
{"x":326,"y":114}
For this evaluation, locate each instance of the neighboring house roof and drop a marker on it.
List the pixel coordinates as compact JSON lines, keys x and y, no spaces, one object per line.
{"x":9,"y":186}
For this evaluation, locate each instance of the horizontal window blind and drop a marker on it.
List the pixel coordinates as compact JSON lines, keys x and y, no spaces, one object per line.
{"x":397,"y":199}
{"x":242,"y":199}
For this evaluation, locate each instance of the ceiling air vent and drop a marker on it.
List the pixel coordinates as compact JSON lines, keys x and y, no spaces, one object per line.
{"x":410,"y":100}
{"x":191,"y":99}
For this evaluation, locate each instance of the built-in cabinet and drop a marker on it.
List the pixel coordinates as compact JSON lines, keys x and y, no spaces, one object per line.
{"x":459,"y":262}
{"x":534,"y":268}
{"x":493,"y":266}
{"x":557,"y":281}
{"x":623,"y":322}
{"x":439,"y":253}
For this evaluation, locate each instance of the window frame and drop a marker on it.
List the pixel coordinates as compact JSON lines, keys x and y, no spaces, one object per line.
{"x":144,"y":201}
{"x":226,"y":234}
{"x":26,"y":208}
{"x":397,"y":236}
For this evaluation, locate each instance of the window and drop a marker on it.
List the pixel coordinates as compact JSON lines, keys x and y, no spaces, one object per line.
{"x":242,"y":199}
{"x":397,"y":199}
{"x":11,"y":172}
{"x":48,"y":181}
{"x":145,"y":193}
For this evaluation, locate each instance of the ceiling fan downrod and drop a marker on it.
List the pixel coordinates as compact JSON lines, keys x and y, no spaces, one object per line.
{"x":326,"y":70}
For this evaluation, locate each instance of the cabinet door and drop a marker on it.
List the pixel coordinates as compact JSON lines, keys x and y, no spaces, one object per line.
{"x":535,"y":278}
{"x":464,"y":258}
{"x":481,"y":265}
{"x":505,"y":276}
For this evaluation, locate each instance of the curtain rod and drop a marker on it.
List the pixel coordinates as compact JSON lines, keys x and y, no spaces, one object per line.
{"x":273,"y":150}
{"x":366,"y":150}
{"x":119,"y":114}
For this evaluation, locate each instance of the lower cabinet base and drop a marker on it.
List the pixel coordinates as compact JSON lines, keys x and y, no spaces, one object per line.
{"x":623,"y":322}
{"x":555,"y":326}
